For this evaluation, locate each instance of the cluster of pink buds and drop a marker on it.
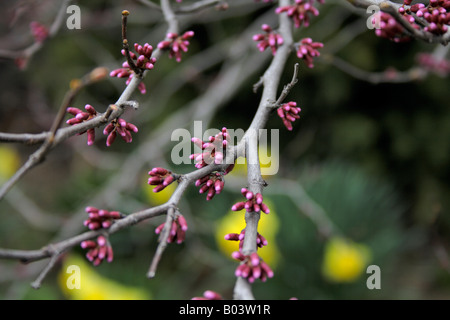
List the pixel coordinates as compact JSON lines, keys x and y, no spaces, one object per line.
{"x":390,"y":29}
{"x":177,"y":230}
{"x":260,"y":240}
{"x":211,"y":184}
{"x":269,"y":39}
{"x":299,"y":12}
{"x":176,"y":44}
{"x":289,"y":112}
{"x":431,"y":63}
{"x":212,"y":151}
{"x":160,"y":178}
{"x":436,"y":13}
{"x":143,"y":61}
{"x":81,"y":116}
{"x":307,"y":50}
{"x":98,"y":250}
{"x":121,"y":127}
{"x":39,"y":31}
{"x":254,"y":202}
{"x":99,"y":218}
{"x":252,"y":267}
{"x":209,"y":295}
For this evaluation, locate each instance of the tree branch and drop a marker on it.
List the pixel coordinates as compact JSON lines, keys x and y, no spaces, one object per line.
{"x":270,"y":80}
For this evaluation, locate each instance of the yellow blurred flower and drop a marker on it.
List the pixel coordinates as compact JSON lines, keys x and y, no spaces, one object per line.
{"x":93,"y":286}
{"x":344,"y":260}
{"x":9,"y":162}
{"x":269,"y":164}
{"x":234,"y":222}
{"x":161,"y":197}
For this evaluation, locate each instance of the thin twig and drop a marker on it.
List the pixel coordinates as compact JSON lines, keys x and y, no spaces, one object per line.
{"x":287,"y":88}
{"x":125,"y":44}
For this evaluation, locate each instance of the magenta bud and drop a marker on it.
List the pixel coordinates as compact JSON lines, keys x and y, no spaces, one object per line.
{"x":158,"y":188}
{"x":90,"y":137}
{"x":90,"y":109}
{"x":93,"y":225}
{"x":188,"y":34}
{"x":237,"y":255}
{"x":101,"y":240}
{"x":159,"y":171}
{"x":168,"y":180}
{"x":259,"y":198}
{"x":232,"y":237}
{"x":106,"y":224}
{"x":266,"y":28}
{"x":73,"y":121}
{"x":182,"y":222}
{"x":159,"y":228}
{"x":211,"y":295}
{"x":203,"y":189}
{"x":101,"y":253}
{"x":254,"y":258}
{"x":88,"y":244}
{"x":265,"y":208}
{"x":110,"y":139}
{"x":103,"y":213}
{"x":265,"y":267}
{"x":155,"y":181}
{"x":256,"y":271}
{"x":115,"y":215}
{"x":110,"y":254}
{"x":218,"y":186}
{"x":91,"y":209}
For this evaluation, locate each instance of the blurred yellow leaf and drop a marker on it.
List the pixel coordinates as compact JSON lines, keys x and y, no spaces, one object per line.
{"x":344,"y":260}
{"x":9,"y":162}
{"x":234,"y":222}
{"x":93,"y":286}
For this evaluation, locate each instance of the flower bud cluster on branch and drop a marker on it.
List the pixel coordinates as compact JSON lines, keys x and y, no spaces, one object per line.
{"x":212,"y":151}
{"x":100,"y":219}
{"x":268,"y":39}
{"x":81,"y":116}
{"x":176,"y":44}
{"x":116,"y":127}
{"x":432,"y":17}
{"x":177,"y":232}
{"x":119,"y":127}
{"x":252,"y":267}
{"x":289,"y":112}
{"x":142,"y":60}
{"x":160,"y":178}
{"x":254,"y":202}
{"x":433,"y":64}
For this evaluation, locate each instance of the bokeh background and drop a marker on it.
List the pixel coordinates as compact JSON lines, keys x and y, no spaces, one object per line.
{"x":363,"y":178}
